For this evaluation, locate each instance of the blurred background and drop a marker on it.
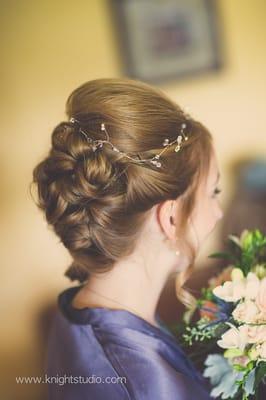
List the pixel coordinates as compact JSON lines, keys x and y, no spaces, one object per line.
{"x":209,"y":56}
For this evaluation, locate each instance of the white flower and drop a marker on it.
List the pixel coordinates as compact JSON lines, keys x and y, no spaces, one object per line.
{"x":258,"y":351}
{"x":238,"y":338}
{"x":229,"y":340}
{"x":243,"y":331}
{"x":261,"y":318}
{"x":255,"y":333}
{"x":231,"y":291}
{"x":247,"y":311}
{"x":234,"y":338}
{"x":237,"y":274}
{"x":260,"y":271}
{"x":252,"y":285}
{"x":261,"y":296}
{"x":253,"y":353}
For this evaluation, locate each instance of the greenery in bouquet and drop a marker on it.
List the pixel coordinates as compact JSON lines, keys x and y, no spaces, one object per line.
{"x":229,"y":332}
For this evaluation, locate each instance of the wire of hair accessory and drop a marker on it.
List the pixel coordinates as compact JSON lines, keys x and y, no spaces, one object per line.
{"x":154,"y":160}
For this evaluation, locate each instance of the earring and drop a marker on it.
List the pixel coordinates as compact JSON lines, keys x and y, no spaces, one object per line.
{"x":177,"y":252}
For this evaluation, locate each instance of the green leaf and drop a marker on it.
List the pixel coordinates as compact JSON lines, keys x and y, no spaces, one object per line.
{"x":249,"y":382}
{"x":222,"y":255}
{"x":248,"y":241}
{"x":260,"y":373}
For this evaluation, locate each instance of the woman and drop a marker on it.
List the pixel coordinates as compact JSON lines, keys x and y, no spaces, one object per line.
{"x":130,"y":188}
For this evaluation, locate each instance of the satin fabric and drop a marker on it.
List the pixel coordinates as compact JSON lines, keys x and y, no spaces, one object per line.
{"x":101,"y":345}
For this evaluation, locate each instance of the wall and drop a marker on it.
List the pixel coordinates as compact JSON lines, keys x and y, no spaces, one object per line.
{"x":48,"y":48}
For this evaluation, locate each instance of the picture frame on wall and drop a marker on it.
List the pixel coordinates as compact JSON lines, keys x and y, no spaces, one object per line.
{"x":167,"y":39}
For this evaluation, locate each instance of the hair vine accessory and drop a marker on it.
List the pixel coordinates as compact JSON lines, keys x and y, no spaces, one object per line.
{"x":154,"y":160}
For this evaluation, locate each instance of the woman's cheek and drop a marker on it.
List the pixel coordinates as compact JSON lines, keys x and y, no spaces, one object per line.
{"x":210,"y":219}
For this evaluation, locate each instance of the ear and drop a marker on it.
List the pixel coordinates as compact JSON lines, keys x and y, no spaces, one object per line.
{"x":166,"y":217}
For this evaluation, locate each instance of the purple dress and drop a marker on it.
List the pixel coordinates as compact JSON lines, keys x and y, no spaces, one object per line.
{"x":103,"y":354}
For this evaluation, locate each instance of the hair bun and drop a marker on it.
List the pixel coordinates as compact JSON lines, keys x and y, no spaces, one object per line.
{"x":76,"y":272}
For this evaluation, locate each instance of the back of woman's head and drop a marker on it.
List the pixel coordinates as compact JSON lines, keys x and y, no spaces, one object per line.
{"x":98,"y":201}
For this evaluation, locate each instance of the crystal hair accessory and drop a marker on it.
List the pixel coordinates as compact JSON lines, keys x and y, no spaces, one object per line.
{"x":154,"y":160}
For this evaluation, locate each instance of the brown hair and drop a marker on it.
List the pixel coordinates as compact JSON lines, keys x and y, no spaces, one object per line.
{"x":98,"y":202}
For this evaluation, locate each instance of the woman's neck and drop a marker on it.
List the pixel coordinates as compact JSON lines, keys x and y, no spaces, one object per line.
{"x":135,"y":282}
{"x":125,"y":287}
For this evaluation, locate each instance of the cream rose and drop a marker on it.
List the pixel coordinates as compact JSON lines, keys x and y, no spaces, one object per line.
{"x":246,"y":311}
{"x":261,"y":318}
{"x":261,"y":296}
{"x":256,"y":333}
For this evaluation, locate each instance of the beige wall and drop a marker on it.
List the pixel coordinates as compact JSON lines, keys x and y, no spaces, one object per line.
{"x":48,"y":49}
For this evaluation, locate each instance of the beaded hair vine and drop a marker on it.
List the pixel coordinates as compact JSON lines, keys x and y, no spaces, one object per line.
{"x":154,"y":160}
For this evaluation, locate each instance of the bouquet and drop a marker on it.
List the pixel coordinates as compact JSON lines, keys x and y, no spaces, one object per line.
{"x":229,"y":334}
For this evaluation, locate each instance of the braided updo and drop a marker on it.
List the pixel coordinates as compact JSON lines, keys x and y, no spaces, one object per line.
{"x":98,"y":202}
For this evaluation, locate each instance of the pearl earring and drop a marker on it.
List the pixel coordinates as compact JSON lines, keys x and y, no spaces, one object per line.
{"x":177,"y":252}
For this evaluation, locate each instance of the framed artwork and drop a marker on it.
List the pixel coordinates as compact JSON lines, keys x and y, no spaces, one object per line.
{"x":167,"y":39}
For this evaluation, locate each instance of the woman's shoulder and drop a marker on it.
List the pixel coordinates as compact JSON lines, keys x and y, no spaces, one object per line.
{"x":129,"y":357}
{"x":112,"y":364}
{"x":77,"y":366}
{"x":150,"y":376}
